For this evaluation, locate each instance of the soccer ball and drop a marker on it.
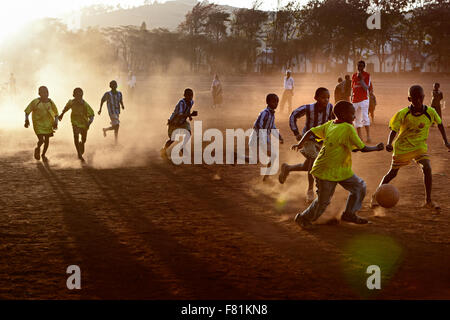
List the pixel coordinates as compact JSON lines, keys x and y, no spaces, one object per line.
{"x":387,"y":195}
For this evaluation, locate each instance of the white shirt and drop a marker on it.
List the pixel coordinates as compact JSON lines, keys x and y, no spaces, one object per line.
{"x":132,"y":81}
{"x":289,"y":83}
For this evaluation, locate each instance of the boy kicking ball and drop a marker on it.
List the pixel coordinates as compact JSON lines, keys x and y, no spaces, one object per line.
{"x":81,"y":118}
{"x":413,"y":124}
{"x":334,"y":166}
{"x":45,"y":121}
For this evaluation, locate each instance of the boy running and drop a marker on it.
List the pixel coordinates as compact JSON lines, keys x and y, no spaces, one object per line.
{"x":81,"y":118}
{"x":265,"y":121}
{"x":317,"y":114}
{"x":113,"y":100}
{"x":334,"y":166}
{"x":45,"y":121}
{"x":413,"y":124}
{"x":178,"y":120}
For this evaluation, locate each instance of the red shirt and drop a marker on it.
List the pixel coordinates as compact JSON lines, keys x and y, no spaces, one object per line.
{"x":359,"y":93}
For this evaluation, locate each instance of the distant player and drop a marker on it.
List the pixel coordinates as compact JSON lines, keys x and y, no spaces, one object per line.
{"x":265,"y":121}
{"x":361,"y":86}
{"x":347,"y":88}
{"x":45,"y":121}
{"x":333,"y":166}
{"x":178,"y":120}
{"x":413,"y":125}
{"x":113,"y":100}
{"x":288,"y":92}
{"x":436,"y":99}
{"x":216,"y":91}
{"x":339,"y":91}
{"x":316,"y":114}
{"x":81,"y":118}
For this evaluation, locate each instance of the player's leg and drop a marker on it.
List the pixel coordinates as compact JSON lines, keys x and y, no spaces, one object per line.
{"x":325,"y":191}
{"x":46,"y":144}
{"x":310,"y":190}
{"x":366,"y":118}
{"x":358,"y":119}
{"x":76,"y":139}
{"x":428,"y":182}
{"x":82,"y":143}
{"x":37,"y":150}
{"x":357,"y":188}
{"x":116,"y":133}
{"x":289,"y":100}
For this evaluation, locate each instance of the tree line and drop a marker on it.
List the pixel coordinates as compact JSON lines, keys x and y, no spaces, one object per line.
{"x":330,"y":32}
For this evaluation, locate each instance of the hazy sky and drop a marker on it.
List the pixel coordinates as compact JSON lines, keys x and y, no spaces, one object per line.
{"x":15,"y":13}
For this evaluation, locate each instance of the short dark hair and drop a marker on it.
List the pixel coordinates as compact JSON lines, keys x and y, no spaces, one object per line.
{"x":414,"y":88}
{"x":271,"y":96}
{"x":319,"y":91}
{"x":341,"y":108}
{"x":339,"y":79}
{"x":437,"y":83}
{"x":112,"y":82}
{"x":42,"y":88}
{"x":79,"y":90}
{"x":188,"y":90}
{"x":347,"y":76}
{"x":363,"y":62}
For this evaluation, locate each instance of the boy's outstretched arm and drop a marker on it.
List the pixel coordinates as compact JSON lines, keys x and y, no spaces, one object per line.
{"x":305,"y":137}
{"x":378,"y":147}
{"x":444,"y":135}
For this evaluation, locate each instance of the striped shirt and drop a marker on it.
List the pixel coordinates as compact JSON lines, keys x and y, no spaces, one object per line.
{"x":113,"y":101}
{"x":266,"y":120}
{"x":181,"y":112}
{"x":314,"y":117}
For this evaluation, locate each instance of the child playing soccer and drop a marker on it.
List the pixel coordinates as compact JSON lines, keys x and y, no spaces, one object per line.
{"x":113,"y":100}
{"x":372,"y":105}
{"x":265,"y":121}
{"x":437,"y":96}
{"x":45,"y":121}
{"x":413,"y":125}
{"x":334,"y":166}
{"x":81,"y":118}
{"x":316,"y":114}
{"x":178,"y":120}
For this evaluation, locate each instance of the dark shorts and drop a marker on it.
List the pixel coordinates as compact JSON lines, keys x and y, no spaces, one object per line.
{"x":172,"y":128}
{"x":41,"y":136}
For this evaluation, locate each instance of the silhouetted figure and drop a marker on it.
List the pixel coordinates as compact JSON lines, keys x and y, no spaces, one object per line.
{"x":81,"y":117}
{"x":45,"y":121}
{"x":436,"y":97}
{"x":216,"y":91}
{"x":339,"y":90}
{"x":288,"y":92}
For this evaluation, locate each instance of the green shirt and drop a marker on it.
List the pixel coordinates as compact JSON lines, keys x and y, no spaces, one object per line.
{"x":413,"y":130}
{"x":81,"y":112}
{"x":43,"y":115}
{"x":334,"y":162}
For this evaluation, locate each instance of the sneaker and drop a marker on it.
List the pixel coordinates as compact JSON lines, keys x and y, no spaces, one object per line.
{"x":432,"y":205}
{"x":44,"y":158}
{"x":303,"y":222}
{"x":283,"y":173}
{"x":37,"y":153}
{"x":310,"y":195}
{"x":104,"y":132}
{"x":352,"y":217}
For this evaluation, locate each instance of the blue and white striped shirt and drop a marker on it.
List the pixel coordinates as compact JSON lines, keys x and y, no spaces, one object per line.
{"x":314,"y":117}
{"x":181,"y":112}
{"x":266,"y":120}
{"x":113,"y":100}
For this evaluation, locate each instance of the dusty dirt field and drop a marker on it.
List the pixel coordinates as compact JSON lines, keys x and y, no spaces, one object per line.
{"x":141,"y":228}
